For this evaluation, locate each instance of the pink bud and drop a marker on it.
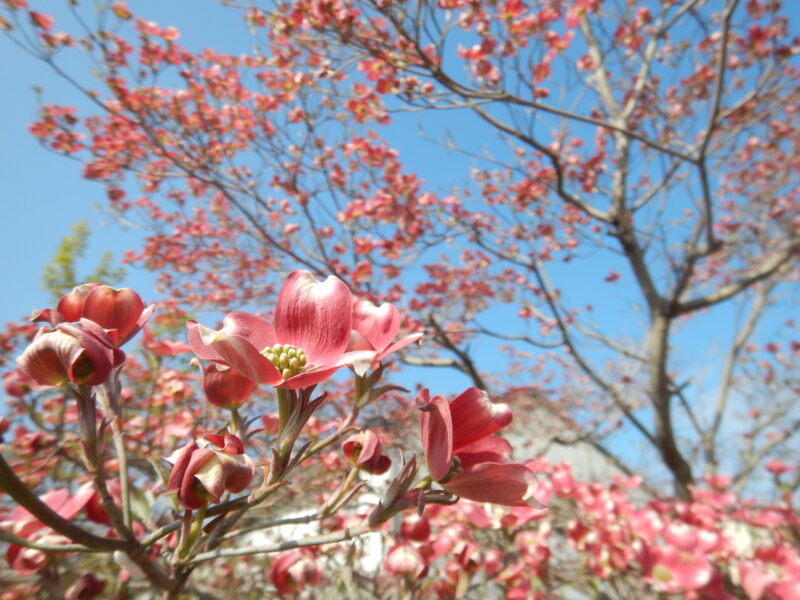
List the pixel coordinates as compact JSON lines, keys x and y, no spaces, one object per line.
{"x":203,"y":470}
{"x":122,"y":310}
{"x":292,"y":571}
{"x":225,"y":387}
{"x":364,"y":450}
{"x":72,"y":352}
{"x":405,"y":560}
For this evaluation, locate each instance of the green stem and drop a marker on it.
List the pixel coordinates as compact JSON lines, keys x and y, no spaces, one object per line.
{"x":283,"y":410}
{"x":359,"y":391}
{"x":333,"y":505}
{"x":197,"y":526}
{"x":111,"y":408}
{"x":236,"y":423}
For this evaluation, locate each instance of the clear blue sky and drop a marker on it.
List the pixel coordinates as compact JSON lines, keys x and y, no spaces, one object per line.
{"x":42,"y":193}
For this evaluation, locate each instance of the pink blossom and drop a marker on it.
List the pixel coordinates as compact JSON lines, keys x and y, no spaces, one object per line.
{"x":365,"y":450}
{"x":202,"y":471}
{"x":305,"y":346}
{"x":376,"y":327}
{"x":79,"y":352}
{"x":463,"y":429}
{"x":121,"y":312}
{"x":292,"y":571}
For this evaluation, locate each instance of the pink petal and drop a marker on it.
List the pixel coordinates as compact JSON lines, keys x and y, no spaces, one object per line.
{"x":70,"y":307}
{"x":492,"y":449}
{"x":76,"y":502}
{"x":314,"y":316}
{"x":359,"y":342}
{"x":361,"y":447}
{"x":47,"y":359}
{"x":180,"y":462}
{"x":680,"y":571}
{"x":199,"y":459}
{"x":226,"y":388}
{"x":25,"y":561}
{"x":399,"y":345}
{"x":476,"y":417}
{"x":307,"y":378}
{"x":239,"y":474}
{"x":379,"y":324}
{"x":317,"y":373}
{"x":681,"y":536}
{"x":754,"y":580}
{"x":510,"y":485}
{"x":114,"y":309}
{"x":437,"y":434}
{"x":254,"y":329}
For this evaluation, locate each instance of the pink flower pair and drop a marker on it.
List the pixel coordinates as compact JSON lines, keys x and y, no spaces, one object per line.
{"x":89,"y":325}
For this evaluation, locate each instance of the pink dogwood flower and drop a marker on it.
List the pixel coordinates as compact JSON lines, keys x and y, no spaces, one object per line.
{"x":404,"y":560}
{"x":122,"y":311}
{"x":376,"y":327}
{"x":463,"y":429}
{"x":365,"y":450}
{"x":203,"y":470}
{"x":306,"y":345}
{"x":292,"y":571}
{"x":27,"y":561}
{"x":79,"y":352}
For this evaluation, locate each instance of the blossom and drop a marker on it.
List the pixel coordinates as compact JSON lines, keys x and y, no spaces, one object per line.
{"x":122,"y":311}
{"x":405,"y":560}
{"x":463,"y":430}
{"x":293,"y":570}
{"x":365,"y":450}
{"x":305,"y":346}
{"x":376,"y":327}
{"x":203,"y":470}
{"x":79,"y":352}
{"x":16,"y":384}
{"x":22,"y":523}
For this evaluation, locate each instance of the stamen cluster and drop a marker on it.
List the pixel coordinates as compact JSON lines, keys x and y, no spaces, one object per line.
{"x":288,"y":359}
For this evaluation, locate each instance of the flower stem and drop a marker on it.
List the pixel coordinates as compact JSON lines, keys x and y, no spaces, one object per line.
{"x":111,"y":408}
{"x":191,"y":538}
{"x":283,"y":410}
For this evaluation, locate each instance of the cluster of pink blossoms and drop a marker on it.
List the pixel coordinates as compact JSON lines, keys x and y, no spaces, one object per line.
{"x":318,"y":328}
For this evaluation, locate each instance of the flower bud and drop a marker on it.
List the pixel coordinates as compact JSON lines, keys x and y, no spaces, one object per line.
{"x":225,"y":387}
{"x":71,"y":352}
{"x":405,"y":559}
{"x":119,"y":310}
{"x":205,"y":469}
{"x":364,"y":450}
{"x":292,"y":571}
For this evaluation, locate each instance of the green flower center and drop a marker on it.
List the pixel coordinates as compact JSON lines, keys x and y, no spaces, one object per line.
{"x":288,"y":359}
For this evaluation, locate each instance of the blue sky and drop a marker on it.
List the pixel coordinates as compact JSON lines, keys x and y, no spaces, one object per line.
{"x":43,"y":193}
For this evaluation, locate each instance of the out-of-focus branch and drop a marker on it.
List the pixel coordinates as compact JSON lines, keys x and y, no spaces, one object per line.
{"x":463,"y":358}
{"x":766,"y":269}
{"x":319,"y":540}
{"x":723,"y":395}
{"x":31,"y":502}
